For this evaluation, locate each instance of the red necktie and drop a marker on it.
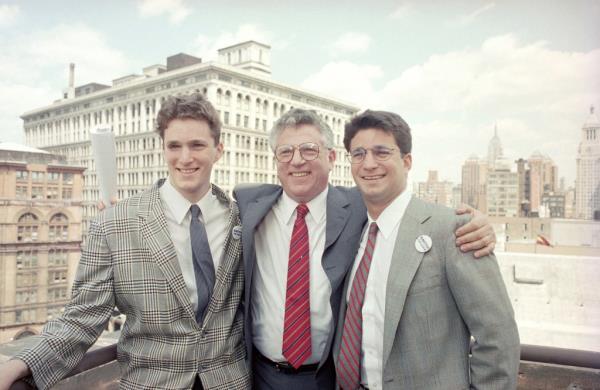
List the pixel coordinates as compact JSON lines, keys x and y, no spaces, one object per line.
{"x":348,"y":368}
{"x":297,"y":345}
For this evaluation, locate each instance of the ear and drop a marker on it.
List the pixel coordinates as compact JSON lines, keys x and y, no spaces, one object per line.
{"x":407,"y":161}
{"x":331,"y":156}
{"x":219,"y":153}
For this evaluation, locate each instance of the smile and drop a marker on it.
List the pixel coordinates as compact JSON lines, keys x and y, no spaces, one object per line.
{"x":373,"y":177}
{"x":187,"y":171}
{"x":299,"y":174}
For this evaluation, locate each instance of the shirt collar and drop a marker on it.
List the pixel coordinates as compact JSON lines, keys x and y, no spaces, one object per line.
{"x":390,"y":218}
{"x":316,"y":207}
{"x":180,"y":206}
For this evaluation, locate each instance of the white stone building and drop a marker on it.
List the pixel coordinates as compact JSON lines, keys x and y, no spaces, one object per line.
{"x":238,"y":84}
{"x":587,"y":191}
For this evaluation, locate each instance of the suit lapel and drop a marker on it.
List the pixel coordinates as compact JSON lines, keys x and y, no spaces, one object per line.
{"x":256,"y":212}
{"x":405,"y":262}
{"x":337,"y":217}
{"x":156,"y":235}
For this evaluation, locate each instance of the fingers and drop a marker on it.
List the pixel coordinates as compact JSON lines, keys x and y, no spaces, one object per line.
{"x":113,"y":200}
{"x":485,"y":251}
{"x":100,"y":205}
{"x":465,"y":209}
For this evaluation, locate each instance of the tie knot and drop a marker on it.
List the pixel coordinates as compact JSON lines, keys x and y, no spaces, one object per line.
{"x":302,"y":210}
{"x":373,"y":229}
{"x":195,"y":211}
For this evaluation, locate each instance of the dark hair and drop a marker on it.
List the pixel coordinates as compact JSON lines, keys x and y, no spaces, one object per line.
{"x":383,"y":120}
{"x":297,"y":117}
{"x":194,"y":106}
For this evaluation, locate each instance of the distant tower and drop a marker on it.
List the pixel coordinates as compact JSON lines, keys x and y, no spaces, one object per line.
{"x":494,"y":148}
{"x":588,"y":170}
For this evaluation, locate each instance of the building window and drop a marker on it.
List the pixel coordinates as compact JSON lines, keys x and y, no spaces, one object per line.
{"x":58,"y":228}
{"x":37,"y":192}
{"x":67,"y":178}
{"x":22,"y":316}
{"x":53,"y":176}
{"x":52,"y":193}
{"x":55,"y":277}
{"x":54,"y":311}
{"x":22,"y":175}
{"x":27,"y":278}
{"x":27,"y":259}
{"x":67,"y":193}
{"x":27,"y":228}
{"x":26,"y":296}
{"x":21,"y":192}
{"x":37,"y":177}
{"x":57,"y":258}
{"x":57,"y":294}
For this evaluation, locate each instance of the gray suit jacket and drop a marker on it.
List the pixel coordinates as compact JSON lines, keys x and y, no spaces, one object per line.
{"x":435,"y":302}
{"x":346,"y":215}
{"x":130,"y":262}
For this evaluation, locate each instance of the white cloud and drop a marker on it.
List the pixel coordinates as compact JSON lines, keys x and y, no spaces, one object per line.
{"x":176,"y":9}
{"x":38,"y":64}
{"x":538,"y":96}
{"x":469,"y":18}
{"x":351,"y":42}
{"x":402,"y":11}
{"x":206,"y":47}
{"x":8,"y":14}
{"x":347,"y":81}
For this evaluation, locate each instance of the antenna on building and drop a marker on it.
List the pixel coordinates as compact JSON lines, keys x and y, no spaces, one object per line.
{"x":69,"y":92}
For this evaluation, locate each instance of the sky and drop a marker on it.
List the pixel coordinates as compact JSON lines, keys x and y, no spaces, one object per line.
{"x":453,"y":70}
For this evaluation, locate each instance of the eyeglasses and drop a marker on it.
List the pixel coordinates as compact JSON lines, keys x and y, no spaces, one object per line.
{"x":308,"y":151}
{"x":379,"y":152}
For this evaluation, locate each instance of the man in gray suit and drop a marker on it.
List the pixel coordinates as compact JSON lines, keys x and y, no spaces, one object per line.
{"x":413,"y":301}
{"x":149,"y":256}
{"x":299,"y":241}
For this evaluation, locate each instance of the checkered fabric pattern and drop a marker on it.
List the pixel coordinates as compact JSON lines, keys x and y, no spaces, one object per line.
{"x":130,"y":262}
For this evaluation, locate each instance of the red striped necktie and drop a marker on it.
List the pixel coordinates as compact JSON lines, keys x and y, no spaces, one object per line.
{"x":297,"y":346}
{"x":348,"y":367}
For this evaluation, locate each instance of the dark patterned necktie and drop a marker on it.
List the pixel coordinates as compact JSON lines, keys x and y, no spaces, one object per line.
{"x":348,"y":368}
{"x":204,"y":268}
{"x":297,"y":344}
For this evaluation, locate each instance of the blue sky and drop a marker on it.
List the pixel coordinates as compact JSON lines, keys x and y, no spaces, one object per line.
{"x":452,"y":69}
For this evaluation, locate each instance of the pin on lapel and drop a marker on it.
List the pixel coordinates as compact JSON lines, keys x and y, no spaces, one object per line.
{"x":236,"y":233}
{"x":423,"y":243}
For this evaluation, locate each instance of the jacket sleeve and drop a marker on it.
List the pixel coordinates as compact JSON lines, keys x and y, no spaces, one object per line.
{"x":480,"y":293}
{"x":65,"y":340}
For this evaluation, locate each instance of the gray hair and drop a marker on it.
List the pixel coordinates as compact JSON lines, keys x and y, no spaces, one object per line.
{"x":297,"y":117}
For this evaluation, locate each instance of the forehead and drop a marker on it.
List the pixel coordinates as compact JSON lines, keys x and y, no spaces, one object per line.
{"x":372,"y":136}
{"x":187,"y":129}
{"x":300,"y":134}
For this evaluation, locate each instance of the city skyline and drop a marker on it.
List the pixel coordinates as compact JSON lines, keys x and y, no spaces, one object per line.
{"x":457,"y":69}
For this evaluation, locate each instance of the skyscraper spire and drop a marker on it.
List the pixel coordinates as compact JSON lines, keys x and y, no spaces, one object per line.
{"x":494,"y":148}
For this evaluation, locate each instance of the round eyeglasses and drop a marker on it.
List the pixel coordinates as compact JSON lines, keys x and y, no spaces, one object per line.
{"x":308,"y":151}
{"x":379,"y":152}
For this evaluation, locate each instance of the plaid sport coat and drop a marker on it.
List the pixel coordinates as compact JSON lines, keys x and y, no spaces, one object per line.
{"x":130,"y":262}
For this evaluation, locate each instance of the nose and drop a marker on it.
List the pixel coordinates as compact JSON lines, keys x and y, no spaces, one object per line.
{"x":186,"y":155}
{"x":297,"y":158}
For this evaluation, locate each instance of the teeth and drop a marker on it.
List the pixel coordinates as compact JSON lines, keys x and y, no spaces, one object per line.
{"x":372,"y":177}
{"x":299,"y":174}
{"x":188,"y":170}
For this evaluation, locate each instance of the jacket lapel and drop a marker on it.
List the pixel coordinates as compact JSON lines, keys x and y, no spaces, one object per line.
{"x":156,"y":235}
{"x":405,"y":262}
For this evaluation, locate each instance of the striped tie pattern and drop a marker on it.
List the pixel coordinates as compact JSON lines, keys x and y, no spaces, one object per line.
{"x":297,"y":345}
{"x":348,"y":368}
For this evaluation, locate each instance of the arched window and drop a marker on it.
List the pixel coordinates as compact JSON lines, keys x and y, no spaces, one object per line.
{"x":58,"y":228}
{"x":27,"y":228}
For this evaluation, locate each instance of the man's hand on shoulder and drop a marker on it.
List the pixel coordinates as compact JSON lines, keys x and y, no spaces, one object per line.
{"x":12,"y":371}
{"x":101,"y":206}
{"x":476,"y":235}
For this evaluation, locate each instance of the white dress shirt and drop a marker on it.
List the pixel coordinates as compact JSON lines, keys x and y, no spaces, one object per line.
{"x":373,"y":310}
{"x":272,"y":239}
{"x":177,"y":212}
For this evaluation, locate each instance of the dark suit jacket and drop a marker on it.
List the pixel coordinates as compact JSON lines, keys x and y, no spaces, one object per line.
{"x":346,"y":215}
{"x":129,"y":261}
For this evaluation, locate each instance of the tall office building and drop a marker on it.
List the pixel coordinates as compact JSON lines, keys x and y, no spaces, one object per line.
{"x":494,"y":148}
{"x":40,"y":237}
{"x":502,"y":190}
{"x":238,"y":84}
{"x":587,"y":191}
{"x":473,"y":182}
{"x":435,"y":191}
{"x":537,"y":178}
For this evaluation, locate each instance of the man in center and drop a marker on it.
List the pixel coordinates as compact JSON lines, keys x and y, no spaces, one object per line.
{"x":299,"y":241}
